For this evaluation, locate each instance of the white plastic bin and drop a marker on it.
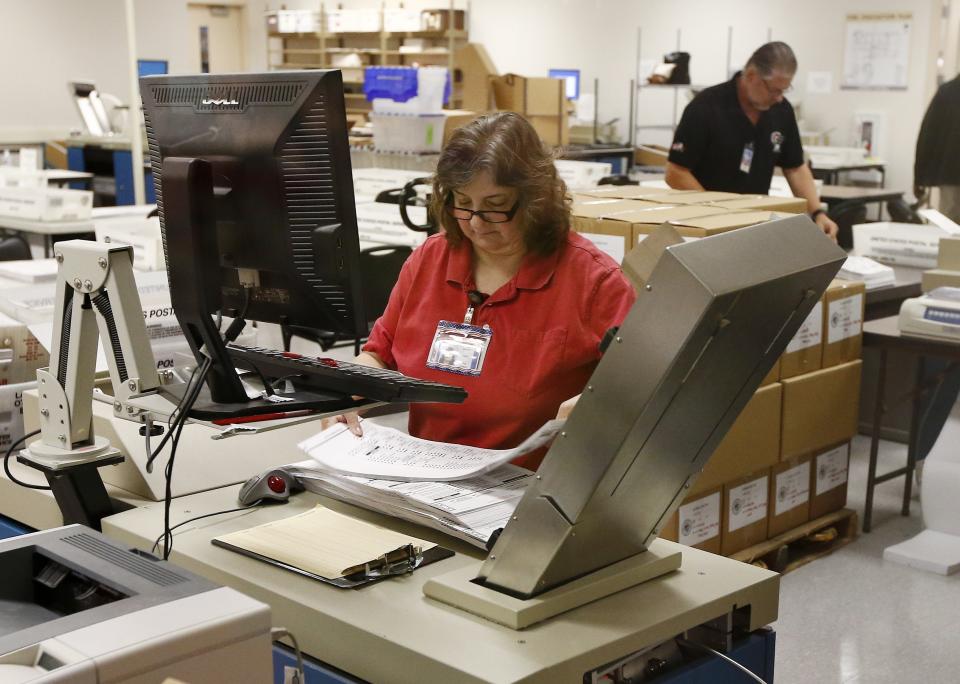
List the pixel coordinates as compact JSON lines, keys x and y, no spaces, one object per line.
{"x":408,"y":132}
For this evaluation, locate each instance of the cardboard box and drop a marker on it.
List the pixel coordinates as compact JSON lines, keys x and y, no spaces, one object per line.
{"x":11,"y":412}
{"x":456,"y":118}
{"x":843,"y":307}
{"x":46,"y":203}
{"x":751,"y":444}
{"x":745,"y":507}
{"x":531,"y":97}
{"x":898,"y":244}
{"x":21,"y":354}
{"x":820,"y":409}
{"x":773,"y":376}
{"x":804,"y":353}
{"x":553,"y":130}
{"x":828,"y":480}
{"x":948,"y":255}
{"x":637,"y":192}
{"x":713,"y":223}
{"x":789,"y":495}
{"x":692,"y":197}
{"x":640,"y":261}
{"x":472,"y":62}
{"x":618,"y":219}
{"x":790,"y":205}
{"x":650,"y":155}
{"x":939,"y":277}
{"x":697,"y":522}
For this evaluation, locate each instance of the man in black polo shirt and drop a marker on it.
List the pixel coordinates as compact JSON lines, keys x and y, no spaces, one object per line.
{"x":732,"y":135}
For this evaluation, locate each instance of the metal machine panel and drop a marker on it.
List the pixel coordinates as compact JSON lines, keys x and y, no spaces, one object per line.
{"x":713,"y":319}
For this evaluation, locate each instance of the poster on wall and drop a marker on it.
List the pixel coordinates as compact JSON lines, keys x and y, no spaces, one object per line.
{"x":877,"y":51}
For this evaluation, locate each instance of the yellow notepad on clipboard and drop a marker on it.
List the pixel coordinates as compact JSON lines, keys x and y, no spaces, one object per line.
{"x":333,"y":548}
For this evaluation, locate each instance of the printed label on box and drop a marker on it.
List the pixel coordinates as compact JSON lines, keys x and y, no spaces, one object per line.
{"x":792,"y":488}
{"x":700,"y":520}
{"x":831,"y":470}
{"x":748,"y":503}
{"x":611,"y":244}
{"x":811,"y":332}
{"x":846,"y":318}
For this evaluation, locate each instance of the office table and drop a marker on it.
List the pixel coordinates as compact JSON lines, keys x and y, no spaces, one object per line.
{"x":46,"y":228}
{"x":850,"y":195}
{"x":884,"y":335}
{"x":390,"y":631}
{"x":885,"y":301}
{"x":830,"y":172}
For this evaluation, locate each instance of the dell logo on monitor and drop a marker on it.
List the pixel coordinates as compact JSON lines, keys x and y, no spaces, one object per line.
{"x":219,"y":102}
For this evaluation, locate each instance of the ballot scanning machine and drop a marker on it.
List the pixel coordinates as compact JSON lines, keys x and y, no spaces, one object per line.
{"x":76,"y":607}
{"x":935,"y":314}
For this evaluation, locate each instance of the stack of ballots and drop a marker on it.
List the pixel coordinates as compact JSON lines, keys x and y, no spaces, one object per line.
{"x":466,"y":492}
{"x":873,"y":274}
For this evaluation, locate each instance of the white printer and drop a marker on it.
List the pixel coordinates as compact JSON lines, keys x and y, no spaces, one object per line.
{"x":935,"y":314}
{"x":77,"y":607}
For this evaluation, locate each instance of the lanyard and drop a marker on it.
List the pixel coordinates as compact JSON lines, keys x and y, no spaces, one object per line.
{"x":474,"y":299}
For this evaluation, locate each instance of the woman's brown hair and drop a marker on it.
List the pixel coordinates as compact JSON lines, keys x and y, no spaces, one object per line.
{"x":506,"y":146}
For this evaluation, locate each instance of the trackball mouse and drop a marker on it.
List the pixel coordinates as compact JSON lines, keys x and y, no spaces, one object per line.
{"x":276,"y":484}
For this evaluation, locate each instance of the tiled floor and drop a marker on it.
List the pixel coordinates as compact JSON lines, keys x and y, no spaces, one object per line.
{"x":853,"y":617}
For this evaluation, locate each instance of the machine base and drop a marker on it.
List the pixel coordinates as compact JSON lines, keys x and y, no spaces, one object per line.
{"x":458,"y":589}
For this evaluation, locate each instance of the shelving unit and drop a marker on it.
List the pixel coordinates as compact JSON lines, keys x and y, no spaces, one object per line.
{"x":317,"y":47}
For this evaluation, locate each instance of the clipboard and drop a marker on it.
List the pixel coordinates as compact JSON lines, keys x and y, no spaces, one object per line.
{"x":401,"y":561}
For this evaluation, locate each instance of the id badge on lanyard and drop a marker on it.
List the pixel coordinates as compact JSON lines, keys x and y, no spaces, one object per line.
{"x":746,"y":159}
{"x":460,"y":347}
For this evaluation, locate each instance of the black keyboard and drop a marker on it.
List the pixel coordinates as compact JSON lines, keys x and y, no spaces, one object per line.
{"x":343,"y":377}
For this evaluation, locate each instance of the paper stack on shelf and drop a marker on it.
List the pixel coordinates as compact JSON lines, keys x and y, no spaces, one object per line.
{"x":870,"y":272}
{"x":471,"y":510}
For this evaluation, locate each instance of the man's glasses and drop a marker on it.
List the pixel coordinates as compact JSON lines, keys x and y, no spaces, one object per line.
{"x":776,"y":92}
{"x":485,"y":215}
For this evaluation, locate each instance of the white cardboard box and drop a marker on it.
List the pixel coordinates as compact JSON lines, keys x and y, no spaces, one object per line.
{"x":900,"y":244}
{"x":46,"y":204}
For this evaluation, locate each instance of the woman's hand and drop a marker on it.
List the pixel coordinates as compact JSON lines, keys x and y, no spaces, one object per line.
{"x":566,"y":408}
{"x":352,"y":418}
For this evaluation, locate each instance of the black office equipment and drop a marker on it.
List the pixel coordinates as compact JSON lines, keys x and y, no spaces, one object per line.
{"x":256,"y":202}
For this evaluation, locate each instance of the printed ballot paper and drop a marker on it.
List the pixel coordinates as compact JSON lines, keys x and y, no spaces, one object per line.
{"x":387,"y":453}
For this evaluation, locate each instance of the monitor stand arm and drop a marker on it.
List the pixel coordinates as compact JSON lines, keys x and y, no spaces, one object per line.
{"x":96,"y":297}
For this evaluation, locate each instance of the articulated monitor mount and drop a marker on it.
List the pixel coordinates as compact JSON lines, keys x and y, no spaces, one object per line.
{"x":96,"y":294}
{"x":708,"y":326}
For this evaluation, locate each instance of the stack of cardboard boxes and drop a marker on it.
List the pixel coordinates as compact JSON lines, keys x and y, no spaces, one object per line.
{"x":784,"y":461}
{"x":617,"y":218}
{"x":540,"y":100}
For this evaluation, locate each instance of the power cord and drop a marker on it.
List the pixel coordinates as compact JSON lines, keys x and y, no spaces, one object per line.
{"x":278,"y":633}
{"x":706,"y":649}
{"x":156,"y":543}
{"x":6,"y":463}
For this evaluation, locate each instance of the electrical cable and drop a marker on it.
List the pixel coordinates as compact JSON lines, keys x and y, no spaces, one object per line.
{"x":706,"y":649}
{"x":156,"y":543}
{"x":6,"y":463}
{"x":278,"y":633}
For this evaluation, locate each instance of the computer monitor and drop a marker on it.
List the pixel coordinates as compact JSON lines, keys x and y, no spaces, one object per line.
{"x":152,"y":67}
{"x":255,"y":197}
{"x":571,"y":78}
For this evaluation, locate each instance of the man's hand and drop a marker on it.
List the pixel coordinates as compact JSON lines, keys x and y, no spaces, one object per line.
{"x":827,"y":226}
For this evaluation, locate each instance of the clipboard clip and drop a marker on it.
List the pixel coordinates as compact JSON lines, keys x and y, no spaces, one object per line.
{"x":401,"y":561}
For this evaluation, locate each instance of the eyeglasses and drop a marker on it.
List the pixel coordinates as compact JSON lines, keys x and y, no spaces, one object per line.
{"x":486,"y":215}
{"x":776,"y":92}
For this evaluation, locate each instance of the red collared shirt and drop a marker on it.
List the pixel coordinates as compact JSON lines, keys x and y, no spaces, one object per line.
{"x":547,"y":324}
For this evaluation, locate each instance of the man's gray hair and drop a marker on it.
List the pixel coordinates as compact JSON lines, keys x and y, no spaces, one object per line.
{"x":775,"y":56}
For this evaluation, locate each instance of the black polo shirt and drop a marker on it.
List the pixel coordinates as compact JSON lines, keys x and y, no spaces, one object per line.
{"x":714,"y":131}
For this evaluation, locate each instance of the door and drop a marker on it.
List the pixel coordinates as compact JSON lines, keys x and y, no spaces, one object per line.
{"x":216,"y":34}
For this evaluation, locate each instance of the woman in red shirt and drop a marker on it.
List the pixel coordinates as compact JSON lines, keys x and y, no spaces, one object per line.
{"x":506,"y":301}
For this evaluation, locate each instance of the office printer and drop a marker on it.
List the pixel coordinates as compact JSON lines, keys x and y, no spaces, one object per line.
{"x":935,"y":314}
{"x":76,"y":607}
